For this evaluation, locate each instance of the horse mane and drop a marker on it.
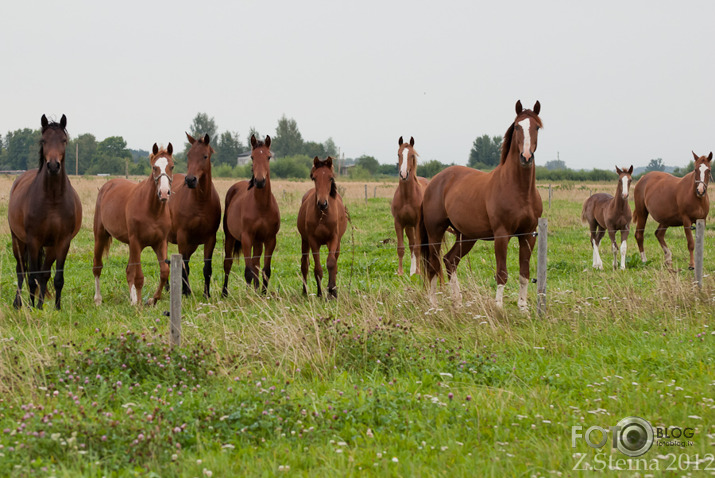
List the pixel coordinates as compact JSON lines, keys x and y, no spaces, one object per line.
{"x":506,"y":143}
{"x":52,"y":125}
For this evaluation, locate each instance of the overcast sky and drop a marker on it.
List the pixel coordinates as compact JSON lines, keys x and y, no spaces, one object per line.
{"x":620,"y":82}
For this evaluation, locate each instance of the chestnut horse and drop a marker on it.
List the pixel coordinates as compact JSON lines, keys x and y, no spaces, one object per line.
{"x":603,"y":212}
{"x":489,"y":206}
{"x":407,"y":202}
{"x":44,"y":213}
{"x":195,"y":210}
{"x":252,"y":219}
{"x":322,"y":220}
{"x":672,"y":202}
{"x":136,"y":214}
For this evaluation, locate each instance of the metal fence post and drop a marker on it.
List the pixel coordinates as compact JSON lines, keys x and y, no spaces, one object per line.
{"x":541,"y":266}
{"x":699,"y":249}
{"x":175,"y":299}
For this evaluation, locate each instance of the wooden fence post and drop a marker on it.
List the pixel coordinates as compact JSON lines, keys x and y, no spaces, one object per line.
{"x":175,"y":279}
{"x":549,"y":195}
{"x":366,"y":194}
{"x":541,"y":266}
{"x":699,"y":249}
{"x":374,"y":193}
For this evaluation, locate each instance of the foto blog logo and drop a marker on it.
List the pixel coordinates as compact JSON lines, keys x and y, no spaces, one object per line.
{"x":632,"y":436}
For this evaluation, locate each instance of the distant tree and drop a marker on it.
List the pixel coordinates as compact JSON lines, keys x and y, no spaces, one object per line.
{"x":111,"y":157}
{"x":358,"y":172}
{"x":227,"y":148}
{"x":313,"y":149}
{"x":22,"y":149}
{"x":388,"y":169}
{"x":430,"y":168}
{"x":87,"y":152}
{"x":680,"y":172}
{"x":292,"y":167}
{"x":253,"y":132}
{"x":485,"y":152}
{"x":555,"y":164}
{"x":368,"y":163}
{"x":288,"y":140}
{"x":201,"y":125}
{"x":330,"y":148}
{"x":655,"y":165}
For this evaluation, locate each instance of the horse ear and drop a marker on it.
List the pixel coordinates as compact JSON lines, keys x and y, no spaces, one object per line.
{"x":329,"y":161}
{"x":44,"y":122}
{"x":630,"y":170}
{"x":412,"y":141}
{"x":63,"y":122}
{"x":190,"y":138}
{"x":519,"y":108}
{"x":618,"y":170}
{"x":170,"y":149}
{"x":254,"y":142}
{"x":207,"y":138}
{"x":316,"y":161}
{"x":155,"y":149}
{"x":710,"y":156}
{"x":268,"y":141}
{"x":537,"y":107}
{"x":694,"y":155}
{"x":399,"y":141}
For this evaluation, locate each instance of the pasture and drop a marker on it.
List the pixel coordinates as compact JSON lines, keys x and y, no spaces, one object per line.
{"x":376,"y":382}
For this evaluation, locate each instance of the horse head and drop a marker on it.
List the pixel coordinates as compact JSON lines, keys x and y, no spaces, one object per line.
{"x":260,"y":156}
{"x":53,"y":144}
{"x":702,"y":173}
{"x":199,"y":160}
{"x":162,"y":167}
{"x":407,"y":158}
{"x":323,"y":176}
{"x":625,"y":177}
{"x":525,"y":133}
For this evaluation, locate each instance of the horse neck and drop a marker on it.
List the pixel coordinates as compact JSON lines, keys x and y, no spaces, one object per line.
{"x":619,"y":202}
{"x":263,"y":196}
{"x":511,"y":170}
{"x":203,"y":189}
{"x":408,"y":187}
{"x":148,"y":188}
{"x":54,"y":185}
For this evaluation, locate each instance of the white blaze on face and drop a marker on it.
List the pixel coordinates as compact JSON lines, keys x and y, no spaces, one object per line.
{"x":701,"y":186}
{"x":164,"y":186}
{"x":624,"y":181}
{"x":525,"y":125}
{"x":403,"y":167}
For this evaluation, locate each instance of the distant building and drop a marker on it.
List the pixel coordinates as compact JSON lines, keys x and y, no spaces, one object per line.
{"x":243,"y":158}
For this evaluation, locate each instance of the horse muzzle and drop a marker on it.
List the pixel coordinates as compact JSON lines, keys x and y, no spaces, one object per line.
{"x":526,"y":162}
{"x":701,"y":189}
{"x":260,"y":184}
{"x":323,"y":205}
{"x":164,"y":195}
{"x":191,"y":181}
{"x":54,"y":166}
{"x":406,"y":176}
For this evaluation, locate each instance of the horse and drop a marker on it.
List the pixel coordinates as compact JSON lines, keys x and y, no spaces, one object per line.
{"x":251,"y":219}
{"x":603,"y":212}
{"x":406,"y":203}
{"x":672,"y":202}
{"x":45,"y":214}
{"x":497,"y":205}
{"x":136,"y":214}
{"x":322,"y":220}
{"x":195,"y":209}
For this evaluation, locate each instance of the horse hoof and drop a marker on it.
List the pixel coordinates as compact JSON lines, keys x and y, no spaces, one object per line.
{"x":691,"y":268}
{"x":151,"y":302}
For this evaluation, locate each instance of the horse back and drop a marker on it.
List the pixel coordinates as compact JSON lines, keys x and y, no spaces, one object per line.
{"x":110,"y":212}
{"x":668,"y":199}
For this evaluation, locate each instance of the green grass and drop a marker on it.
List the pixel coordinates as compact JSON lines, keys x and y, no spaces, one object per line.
{"x":374,"y":383}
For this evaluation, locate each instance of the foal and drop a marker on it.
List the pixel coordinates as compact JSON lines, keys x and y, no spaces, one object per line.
{"x":138,"y":215}
{"x":603,"y":212}
{"x":252,"y":219}
{"x":407,"y":202}
{"x":672,"y":202}
{"x":322,"y":220}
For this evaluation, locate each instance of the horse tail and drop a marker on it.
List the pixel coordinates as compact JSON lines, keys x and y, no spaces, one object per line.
{"x":105,"y":251}
{"x":584,"y":218}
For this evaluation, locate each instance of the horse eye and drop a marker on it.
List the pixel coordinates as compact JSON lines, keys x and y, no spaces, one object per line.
{"x":206,"y":156}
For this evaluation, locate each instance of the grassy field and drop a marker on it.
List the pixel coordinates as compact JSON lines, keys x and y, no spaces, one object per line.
{"x":376,"y":383}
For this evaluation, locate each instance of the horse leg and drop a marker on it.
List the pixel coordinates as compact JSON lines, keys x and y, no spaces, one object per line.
{"x":135,"y":276}
{"x":614,"y":247}
{"x":20,"y":253}
{"x":687,"y":223}
{"x":317,"y":266}
{"x":660,"y":234}
{"x":270,"y":247}
{"x":433,"y":264}
{"x":229,"y":246}
{"x":160,"y":251}
{"x":332,"y":265}
{"x":526,"y":247}
{"x":246,"y":247}
{"x":45,"y":274}
{"x":257,"y":253}
{"x":400,"y":246}
{"x":501,"y":242}
{"x":208,"y":267}
{"x":624,"y":246}
{"x":60,"y":273}
{"x":304,"y":264}
{"x":642,"y":216}
{"x":596,"y":243}
{"x":451,"y":260}
{"x":101,"y":243}
{"x":186,"y":252}
{"x":412,"y":241}
{"x":34,"y":252}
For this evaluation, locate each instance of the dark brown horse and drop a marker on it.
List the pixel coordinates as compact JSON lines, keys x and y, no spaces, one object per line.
{"x":322,"y":220}
{"x":136,"y":214}
{"x":672,"y":202}
{"x":407,"y":202}
{"x":195,"y":210}
{"x":252,"y":219}
{"x":490,"y":206}
{"x":45,"y":213}
{"x":603,"y":212}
